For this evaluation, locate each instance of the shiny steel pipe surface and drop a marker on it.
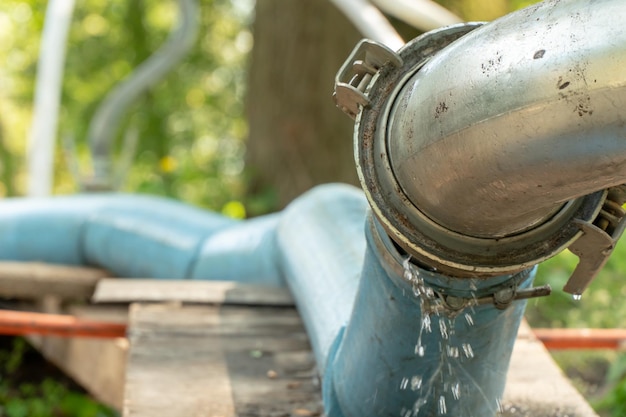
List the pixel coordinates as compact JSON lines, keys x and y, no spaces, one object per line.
{"x":498,"y":130}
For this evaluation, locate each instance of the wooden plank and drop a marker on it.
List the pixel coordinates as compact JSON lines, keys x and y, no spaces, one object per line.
{"x":232,"y":361}
{"x":212,"y":292}
{"x":536,"y":385}
{"x":221,"y":361}
{"x":32,"y":280}
{"x":98,"y":365}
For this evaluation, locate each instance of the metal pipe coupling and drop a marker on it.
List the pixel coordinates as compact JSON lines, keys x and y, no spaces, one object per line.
{"x":473,"y":162}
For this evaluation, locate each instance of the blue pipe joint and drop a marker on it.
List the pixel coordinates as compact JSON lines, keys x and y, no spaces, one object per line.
{"x":399,"y":356}
{"x":321,"y":247}
{"x":140,"y":236}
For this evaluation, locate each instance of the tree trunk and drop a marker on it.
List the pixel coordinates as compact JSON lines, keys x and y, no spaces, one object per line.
{"x":298,"y":138}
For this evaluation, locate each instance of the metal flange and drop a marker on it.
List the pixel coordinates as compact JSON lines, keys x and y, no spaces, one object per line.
{"x":431,"y":244}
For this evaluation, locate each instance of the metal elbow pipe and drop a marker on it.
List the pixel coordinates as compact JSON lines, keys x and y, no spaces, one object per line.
{"x":497,"y":140}
{"x":497,"y":131}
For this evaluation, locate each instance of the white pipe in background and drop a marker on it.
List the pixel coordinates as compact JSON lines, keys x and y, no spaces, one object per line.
{"x":48,"y":97}
{"x":424,"y":15}
{"x":370,"y":22}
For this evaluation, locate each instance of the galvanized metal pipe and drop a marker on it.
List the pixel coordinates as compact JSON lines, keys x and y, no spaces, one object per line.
{"x":501,"y":128}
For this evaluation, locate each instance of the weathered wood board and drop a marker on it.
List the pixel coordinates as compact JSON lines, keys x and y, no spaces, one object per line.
{"x":32,"y":280}
{"x":117,"y":290}
{"x":242,"y":361}
{"x":221,"y":361}
{"x":246,"y":354}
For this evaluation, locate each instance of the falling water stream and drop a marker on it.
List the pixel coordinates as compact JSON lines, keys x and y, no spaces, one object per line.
{"x":449,"y":383}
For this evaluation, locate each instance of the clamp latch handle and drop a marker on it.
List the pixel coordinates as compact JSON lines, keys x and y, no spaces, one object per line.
{"x":356,"y":73}
{"x":597,"y":242}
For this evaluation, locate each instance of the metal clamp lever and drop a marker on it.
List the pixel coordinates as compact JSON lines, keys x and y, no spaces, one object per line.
{"x":356,"y":73}
{"x":597,"y":242}
{"x":501,"y":298}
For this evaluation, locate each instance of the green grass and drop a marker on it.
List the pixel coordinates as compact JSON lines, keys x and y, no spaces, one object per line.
{"x":30,"y":387}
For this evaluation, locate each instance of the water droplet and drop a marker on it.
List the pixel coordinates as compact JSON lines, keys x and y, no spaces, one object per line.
{"x":419,"y":350}
{"x":416,"y":383}
{"x":442,"y":405}
{"x":469,"y":319}
{"x":452,"y":351}
{"x":443,"y":329}
{"x":404,"y":383}
{"x":467,"y":350}
{"x":408,"y":271}
{"x":426,"y":323}
{"x":456,"y":391}
{"x":577,"y":297}
{"x":419,"y":404}
{"x":499,"y":405}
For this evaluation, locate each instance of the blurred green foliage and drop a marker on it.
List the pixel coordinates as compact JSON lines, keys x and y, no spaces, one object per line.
{"x":44,"y":397}
{"x":191,"y":124}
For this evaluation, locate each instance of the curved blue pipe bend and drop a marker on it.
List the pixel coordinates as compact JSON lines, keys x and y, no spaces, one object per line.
{"x":139,"y":236}
{"x":361,"y":315}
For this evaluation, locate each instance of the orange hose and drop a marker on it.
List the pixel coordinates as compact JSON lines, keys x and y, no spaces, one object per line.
{"x":19,"y":323}
{"x":581,"y":338}
{"x":23,"y":323}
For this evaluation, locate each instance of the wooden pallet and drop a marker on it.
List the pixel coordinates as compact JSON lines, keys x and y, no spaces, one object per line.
{"x":240,"y":351}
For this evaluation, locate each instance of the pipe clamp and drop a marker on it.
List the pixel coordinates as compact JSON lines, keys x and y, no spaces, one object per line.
{"x":356,"y":73}
{"x":597,"y":241}
{"x":370,"y":97}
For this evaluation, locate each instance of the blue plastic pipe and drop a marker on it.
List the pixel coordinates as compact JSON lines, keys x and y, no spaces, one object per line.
{"x":397,"y":358}
{"x":139,"y":236}
{"x":380,"y":352}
